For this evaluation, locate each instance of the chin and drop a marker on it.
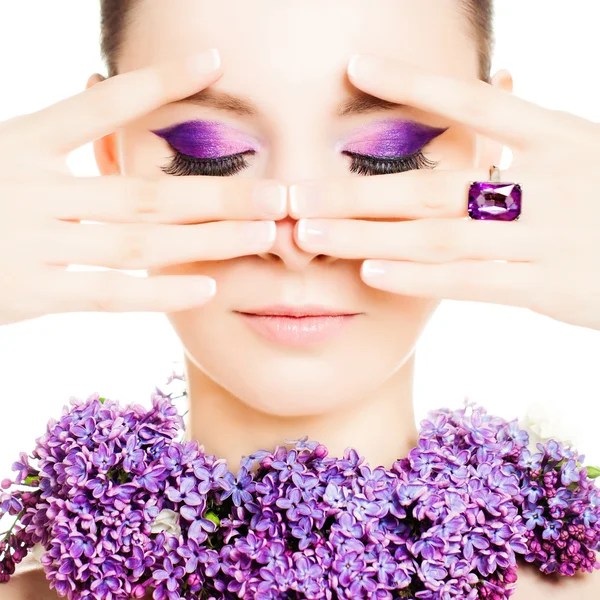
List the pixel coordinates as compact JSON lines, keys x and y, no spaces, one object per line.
{"x":286,"y":381}
{"x":293,"y":392}
{"x":293,"y":386}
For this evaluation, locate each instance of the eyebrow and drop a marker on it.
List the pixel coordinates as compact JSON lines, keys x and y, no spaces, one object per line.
{"x":358,"y":103}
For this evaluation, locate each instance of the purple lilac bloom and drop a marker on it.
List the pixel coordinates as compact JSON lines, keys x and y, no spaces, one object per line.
{"x":448,"y":521}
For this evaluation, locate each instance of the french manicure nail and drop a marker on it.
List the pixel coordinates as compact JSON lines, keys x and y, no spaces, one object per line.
{"x":305,"y":199}
{"x":202,"y":288}
{"x":271,"y":199}
{"x":260,"y":232}
{"x":363,"y":65}
{"x":311,"y":232}
{"x":205,"y":62}
{"x":373,"y":269}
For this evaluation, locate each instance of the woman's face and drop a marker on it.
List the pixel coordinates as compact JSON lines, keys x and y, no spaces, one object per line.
{"x":289,"y":60}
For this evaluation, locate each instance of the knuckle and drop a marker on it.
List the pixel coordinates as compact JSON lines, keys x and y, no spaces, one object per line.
{"x":103,"y":298}
{"x":352,"y":198}
{"x":432,"y":199}
{"x":464,"y":276}
{"x":146,"y":199}
{"x":131,"y":246}
{"x":105,"y":105}
{"x":472,"y":101}
{"x":442,"y":243}
{"x":156,"y":81}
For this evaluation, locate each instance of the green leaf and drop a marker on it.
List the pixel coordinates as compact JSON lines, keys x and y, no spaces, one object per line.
{"x":593,"y":472}
{"x":211,"y":516}
{"x":102,"y":400}
{"x":32,"y":480}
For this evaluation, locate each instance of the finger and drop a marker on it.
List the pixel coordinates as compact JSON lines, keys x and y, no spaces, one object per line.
{"x":134,"y":247}
{"x":469,"y":280}
{"x":101,"y":109}
{"x":112,"y":291}
{"x":489,"y":110}
{"x":418,"y":194}
{"x":119,"y":199}
{"x":430,"y":240}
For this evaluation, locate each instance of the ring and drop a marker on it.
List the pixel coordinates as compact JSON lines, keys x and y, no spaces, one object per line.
{"x":494,"y":200}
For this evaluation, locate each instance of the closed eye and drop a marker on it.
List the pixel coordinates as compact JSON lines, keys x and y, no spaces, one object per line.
{"x":223,"y":166}
{"x":364,"y":164}
{"x":226,"y":166}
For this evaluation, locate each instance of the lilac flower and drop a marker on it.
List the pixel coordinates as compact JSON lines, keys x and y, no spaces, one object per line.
{"x":152,"y":478}
{"x":385,"y":566}
{"x":139,"y":561}
{"x":288,"y":467}
{"x":186,"y":493}
{"x":303,"y":530}
{"x":569,"y":473}
{"x":22,"y":467}
{"x":238,"y":488}
{"x":273,"y":555}
{"x":168,"y":579}
{"x":77,"y":466}
{"x":11,"y":505}
{"x":444,"y":523}
{"x":134,"y":456}
{"x":552,"y":530}
{"x":200,"y":529}
{"x":99,"y":486}
{"x":348,"y":566}
{"x":292,"y":503}
{"x":103,"y":458}
{"x":335,"y":496}
{"x":210,"y":478}
{"x":534,"y":518}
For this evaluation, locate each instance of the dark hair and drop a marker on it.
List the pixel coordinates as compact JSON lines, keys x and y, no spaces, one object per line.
{"x":116,"y":15}
{"x":480,"y":14}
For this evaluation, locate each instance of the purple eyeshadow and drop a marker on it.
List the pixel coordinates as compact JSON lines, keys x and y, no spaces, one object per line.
{"x":390,"y":138}
{"x":206,"y":139}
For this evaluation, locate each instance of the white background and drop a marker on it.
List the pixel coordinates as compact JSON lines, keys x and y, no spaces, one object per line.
{"x":505,"y":358}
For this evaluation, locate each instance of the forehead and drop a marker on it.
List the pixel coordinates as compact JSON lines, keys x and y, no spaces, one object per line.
{"x":291,"y":54}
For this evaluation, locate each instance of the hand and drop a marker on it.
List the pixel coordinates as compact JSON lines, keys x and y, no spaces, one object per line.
{"x":41,"y":207}
{"x":551,"y":255}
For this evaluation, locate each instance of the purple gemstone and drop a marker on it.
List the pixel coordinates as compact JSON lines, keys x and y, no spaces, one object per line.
{"x":494,"y":201}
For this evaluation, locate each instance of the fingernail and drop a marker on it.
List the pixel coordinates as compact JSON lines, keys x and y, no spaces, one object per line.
{"x":374,"y":269}
{"x":271,"y":199}
{"x":312,"y":232}
{"x":260,"y":233}
{"x":305,"y":199}
{"x":363,"y":66}
{"x":203,"y":288}
{"x":205,"y":62}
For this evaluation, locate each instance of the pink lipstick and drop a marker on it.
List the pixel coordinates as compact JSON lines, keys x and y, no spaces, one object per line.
{"x":298,"y":325}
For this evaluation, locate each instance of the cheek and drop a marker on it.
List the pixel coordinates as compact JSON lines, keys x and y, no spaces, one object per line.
{"x":399,"y":318}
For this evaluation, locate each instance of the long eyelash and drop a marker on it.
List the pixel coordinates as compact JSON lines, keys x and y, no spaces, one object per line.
{"x":224,"y":166}
{"x":373,"y":165}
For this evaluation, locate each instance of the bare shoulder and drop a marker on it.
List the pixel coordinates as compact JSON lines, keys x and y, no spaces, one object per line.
{"x":534,"y":586}
{"x":28,"y":583}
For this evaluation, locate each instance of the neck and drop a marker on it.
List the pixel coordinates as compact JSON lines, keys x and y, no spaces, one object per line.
{"x":381,"y":427}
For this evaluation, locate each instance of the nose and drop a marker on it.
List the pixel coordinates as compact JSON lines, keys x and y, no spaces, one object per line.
{"x":286,"y":250}
{"x":291,"y":162}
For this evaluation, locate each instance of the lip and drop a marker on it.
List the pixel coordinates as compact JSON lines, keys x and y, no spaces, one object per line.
{"x":308,"y":310}
{"x":298,"y":325}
